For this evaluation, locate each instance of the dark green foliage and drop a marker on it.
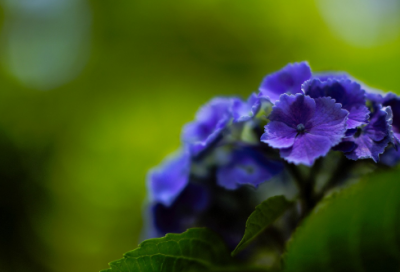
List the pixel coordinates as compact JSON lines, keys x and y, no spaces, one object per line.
{"x":194,"y":250}
{"x":264,"y":215}
{"x":358,"y":230}
{"x":197,"y":249}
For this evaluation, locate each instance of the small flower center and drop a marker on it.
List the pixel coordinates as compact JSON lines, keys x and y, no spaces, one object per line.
{"x":300,"y":128}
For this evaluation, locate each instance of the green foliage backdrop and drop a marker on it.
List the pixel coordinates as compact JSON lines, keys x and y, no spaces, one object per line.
{"x":357,"y":230}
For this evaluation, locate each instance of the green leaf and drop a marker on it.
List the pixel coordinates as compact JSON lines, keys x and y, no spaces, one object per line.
{"x":357,"y":230}
{"x":264,"y":215}
{"x":197,"y":249}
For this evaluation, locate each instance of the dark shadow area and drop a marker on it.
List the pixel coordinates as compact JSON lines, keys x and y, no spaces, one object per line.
{"x":20,"y":197}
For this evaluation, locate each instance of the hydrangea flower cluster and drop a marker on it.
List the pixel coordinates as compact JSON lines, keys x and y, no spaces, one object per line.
{"x":234,"y":145}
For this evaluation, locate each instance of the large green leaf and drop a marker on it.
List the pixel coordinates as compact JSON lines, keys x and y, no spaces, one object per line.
{"x":264,"y":215}
{"x":197,"y":249}
{"x":358,"y":230}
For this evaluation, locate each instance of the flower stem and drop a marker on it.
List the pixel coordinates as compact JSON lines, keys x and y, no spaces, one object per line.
{"x":339,"y":175}
{"x":307,"y":196}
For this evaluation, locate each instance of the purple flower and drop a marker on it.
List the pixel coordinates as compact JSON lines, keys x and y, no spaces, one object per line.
{"x":330,"y":75}
{"x":374,"y":100}
{"x":167,"y":181}
{"x":344,"y":91}
{"x":203,"y":204}
{"x":245,"y":110}
{"x":210,"y":121}
{"x":393,"y":101}
{"x":370,"y":141}
{"x":371,"y":94}
{"x":391,"y":157}
{"x":247,"y":166}
{"x":287,"y":80}
{"x":184,"y":213}
{"x":304,"y":128}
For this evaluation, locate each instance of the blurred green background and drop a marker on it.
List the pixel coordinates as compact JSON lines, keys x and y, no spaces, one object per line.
{"x":94,"y":93}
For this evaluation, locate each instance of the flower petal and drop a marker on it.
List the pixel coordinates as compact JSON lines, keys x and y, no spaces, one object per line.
{"x":293,"y":110}
{"x":344,"y":91}
{"x":167,"y":180}
{"x":329,"y":120}
{"x":287,"y":80}
{"x":279,"y":135}
{"x":247,"y":166}
{"x":379,"y":126}
{"x":183,"y":213}
{"x":358,"y":116}
{"x":325,"y":76}
{"x":391,"y":157}
{"x":374,"y":137}
{"x":345,"y":146}
{"x":211,"y":119}
{"x":245,"y":110}
{"x":393,"y":101}
{"x":366,"y":148}
{"x":306,"y":149}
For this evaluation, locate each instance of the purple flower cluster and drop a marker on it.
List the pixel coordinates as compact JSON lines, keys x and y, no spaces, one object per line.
{"x":215,"y":163}
{"x":317,"y":113}
{"x":230,"y":148}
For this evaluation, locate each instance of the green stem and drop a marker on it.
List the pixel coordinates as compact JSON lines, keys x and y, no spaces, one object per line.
{"x":306,"y":186}
{"x":339,"y":175}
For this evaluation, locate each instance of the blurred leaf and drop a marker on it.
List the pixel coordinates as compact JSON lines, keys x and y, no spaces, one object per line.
{"x":197,"y":249}
{"x":357,"y":231}
{"x":264,"y":215}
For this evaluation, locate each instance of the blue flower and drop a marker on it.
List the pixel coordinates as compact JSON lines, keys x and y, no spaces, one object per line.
{"x":247,"y":166}
{"x":393,"y":101}
{"x":369,"y":141}
{"x":287,"y":80}
{"x":372,"y":95}
{"x":166,"y":181}
{"x":184,"y":213}
{"x":203,"y":204}
{"x":344,"y":91}
{"x":374,"y":100}
{"x":324,"y":76}
{"x":245,"y":110}
{"x":210,"y":121}
{"x":304,"y":128}
{"x":391,"y":157}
